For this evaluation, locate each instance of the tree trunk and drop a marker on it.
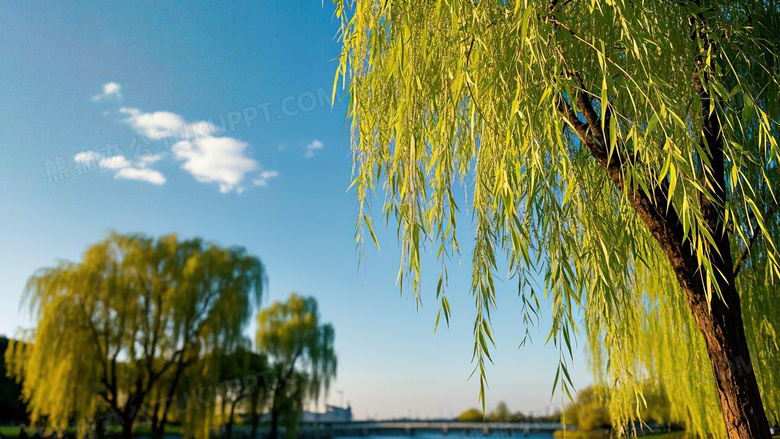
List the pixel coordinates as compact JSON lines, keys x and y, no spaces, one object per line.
{"x":275,"y":411}
{"x":127,"y":428}
{"x":719,"y":320}
{"x":255,"y":421}
{"x":274,"y":433}
{"x":158,"y":429}
{"x":100,"y":429}
{"x":229,"y":424}
{"x":724,"y":335}
{"x":158,"y":423}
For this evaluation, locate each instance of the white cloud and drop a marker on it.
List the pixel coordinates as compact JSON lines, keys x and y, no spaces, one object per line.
{"x":111,"y":91}
{"x":115,"y":162}
{"x":86,"y":156}
{"x":126,"y":169}
{"x":134,"y":170}
{"x":154,"y":125}
{"x":265,"y":176}
{"x":198,"y":147}
{"x":161,"y":124}
{"x":141,"y":174}
{"x":149,"y":159}
{"x":311,"y":147}
{"x":218,"y":160}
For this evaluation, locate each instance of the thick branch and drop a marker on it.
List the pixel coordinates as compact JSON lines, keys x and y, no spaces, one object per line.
{"x":653,"y":208}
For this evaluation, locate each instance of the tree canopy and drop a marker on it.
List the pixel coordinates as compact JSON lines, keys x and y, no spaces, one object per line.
{"x":116,"y":332}
{"x":301,"y":353}
{"x":471,"y":415}
{"x":237,"y":385}
{"x":590,"y":410}
{"x":618,"y":156}
{"x":12,"y":407}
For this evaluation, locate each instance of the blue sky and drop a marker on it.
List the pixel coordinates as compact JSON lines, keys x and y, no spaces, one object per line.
{"x":214,"y":120}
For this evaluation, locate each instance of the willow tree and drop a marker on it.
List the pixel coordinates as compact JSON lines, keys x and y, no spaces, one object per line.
{"x":116,"y":331}
{"x":240,"y":390}
{"x":301,"y":356}
{"x":240,"y":381}
{"x":625,"y":152}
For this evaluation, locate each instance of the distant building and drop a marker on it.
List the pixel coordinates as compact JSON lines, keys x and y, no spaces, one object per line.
{"x":332,"y":414}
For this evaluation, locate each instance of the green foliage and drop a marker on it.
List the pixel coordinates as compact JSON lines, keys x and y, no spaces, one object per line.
{"x":479,"y":95}
{"x":561,"y":434}
{"x":590,"y":411}
{"x":300,"y":350}
{"x":500,"y":414}
{"x":12,"y":408}
{"x":471,"y":415}
{"x":117,"y":331}
{"x":241,"y":392}
{"x":238,"y":385}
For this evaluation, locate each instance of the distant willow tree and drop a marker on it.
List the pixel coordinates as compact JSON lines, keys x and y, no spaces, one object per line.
{"x":625,"y":152}
{"x":241,"y":388}
{"x":212,"y":398}
{"x":500,"y":414}
{"x":590,"y":410}
{"x":471,"y":415}
{"x":244,"y":374}
{"x":301,"y":355}
{"x":116,"y":332}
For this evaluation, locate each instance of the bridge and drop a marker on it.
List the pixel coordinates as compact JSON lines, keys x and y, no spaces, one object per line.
{"x":410,"y":428}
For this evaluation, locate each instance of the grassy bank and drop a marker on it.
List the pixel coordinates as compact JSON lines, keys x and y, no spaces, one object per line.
{"x":584,"y":435}
{"x":589,"y":435}
{"x":145,"y":430}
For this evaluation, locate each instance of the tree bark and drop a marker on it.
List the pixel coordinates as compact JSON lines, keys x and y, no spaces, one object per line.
{"x":158,"y":430}
{"x":127,"y":428}
{"x":159,"y":421}
{"x":100,"y":429}
{"x":274,"y":433}
{"x":255,"y":416}
{"x":720,"y":322}
{"x":278,"y":389}
{"x":719,"y":319}
{"x":229,"y":423}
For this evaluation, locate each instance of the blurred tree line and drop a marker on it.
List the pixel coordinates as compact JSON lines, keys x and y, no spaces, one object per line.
{"x":502,"y":414}
{"x":590,"y":411}
{"x":149,"y":332}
